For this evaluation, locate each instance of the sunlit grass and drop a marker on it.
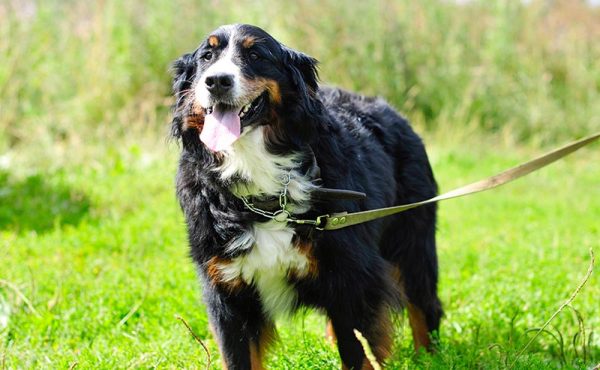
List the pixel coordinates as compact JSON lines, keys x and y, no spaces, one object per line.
{"x":91,"y":236}
{"x":108,"y":282}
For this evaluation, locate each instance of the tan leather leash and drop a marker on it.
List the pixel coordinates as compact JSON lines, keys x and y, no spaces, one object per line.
{"x":344,"y":219}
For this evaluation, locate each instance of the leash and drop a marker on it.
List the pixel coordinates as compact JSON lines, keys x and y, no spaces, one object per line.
{"x":341,"y":220}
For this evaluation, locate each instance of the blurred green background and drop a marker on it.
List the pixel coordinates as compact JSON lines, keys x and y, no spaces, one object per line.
{"x":93,"y":256}
{"x":76,"y":72}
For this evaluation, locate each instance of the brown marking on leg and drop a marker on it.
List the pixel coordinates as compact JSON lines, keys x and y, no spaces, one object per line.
{"x":223,"y":363}
{"x":367,"y":365}
{"x":211,"y":328}
{"x":312,"y":270}
{"x":418,"y":324}
{"x":255,"y":357}
{"x":416,"y":317}
{"x":330,"y":334}
{"x":380,"y":338}
{"x":258,"y":349}
{"x":214,"y":272}
{"x":213,"y":41}
{"x":213,"y":268}
{"x":248,"y":42}
{"x":381,"y":335}
{"x":396,"y":275}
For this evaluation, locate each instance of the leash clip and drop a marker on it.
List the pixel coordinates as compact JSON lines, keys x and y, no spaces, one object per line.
{"x":319,"y":222}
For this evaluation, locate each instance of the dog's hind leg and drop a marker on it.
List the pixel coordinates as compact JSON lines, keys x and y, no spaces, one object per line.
{"x":330,"y":333}
{"x":376,"y":327}
{"x":419,"y":281}
{"x":421,"y":331}
{"x":409,"y":243}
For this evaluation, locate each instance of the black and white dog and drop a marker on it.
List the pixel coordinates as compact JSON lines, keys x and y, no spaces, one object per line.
{"x":257,"y":131}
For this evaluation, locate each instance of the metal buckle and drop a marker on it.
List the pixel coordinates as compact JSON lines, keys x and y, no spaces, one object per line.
{"x":318,"y":222}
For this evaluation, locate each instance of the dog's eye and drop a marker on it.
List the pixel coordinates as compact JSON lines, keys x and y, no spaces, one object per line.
{"x":253,"y":56}
{"x":207,"y":56}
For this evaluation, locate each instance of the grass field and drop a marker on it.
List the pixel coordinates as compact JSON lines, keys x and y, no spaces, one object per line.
{"x":93,"y":255}
{"x":95,"y":268}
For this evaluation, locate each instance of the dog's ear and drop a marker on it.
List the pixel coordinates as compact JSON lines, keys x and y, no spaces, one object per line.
{"x":184,"y":71}
{"x":302,"y":70}
{"x":304,"y":75}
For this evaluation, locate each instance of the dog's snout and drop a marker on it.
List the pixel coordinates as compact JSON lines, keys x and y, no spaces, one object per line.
{"x":219,"y":83}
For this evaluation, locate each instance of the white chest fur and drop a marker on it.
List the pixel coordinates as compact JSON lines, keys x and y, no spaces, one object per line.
{"x":271,"y":253}
{"x":263,"y":171}
{"x":267,"y":264}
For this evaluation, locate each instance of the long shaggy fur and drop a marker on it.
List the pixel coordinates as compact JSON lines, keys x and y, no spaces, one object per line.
{"x":253,"y":269}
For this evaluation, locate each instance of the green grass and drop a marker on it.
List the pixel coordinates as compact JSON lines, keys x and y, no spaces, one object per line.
{"x":93,"y":255}
{"x":91,"y":245}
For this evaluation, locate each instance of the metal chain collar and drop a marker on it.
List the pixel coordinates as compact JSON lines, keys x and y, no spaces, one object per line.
{"x":282,"y":214}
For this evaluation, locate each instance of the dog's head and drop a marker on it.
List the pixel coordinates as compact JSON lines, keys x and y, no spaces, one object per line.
{"x":241,"y":77}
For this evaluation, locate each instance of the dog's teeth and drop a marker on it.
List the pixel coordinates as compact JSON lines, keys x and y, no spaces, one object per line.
{"x":244,"y":110}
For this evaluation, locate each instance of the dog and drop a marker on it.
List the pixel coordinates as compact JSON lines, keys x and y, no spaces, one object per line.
{"x":259,"y":138}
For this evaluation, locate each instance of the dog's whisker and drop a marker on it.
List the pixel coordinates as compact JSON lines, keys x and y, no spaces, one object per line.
{"x":182,"y":95}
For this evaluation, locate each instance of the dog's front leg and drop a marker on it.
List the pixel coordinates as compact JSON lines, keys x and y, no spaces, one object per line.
{"x":239,"y":326}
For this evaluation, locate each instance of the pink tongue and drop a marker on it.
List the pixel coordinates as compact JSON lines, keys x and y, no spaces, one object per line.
{"x":221,"y":129}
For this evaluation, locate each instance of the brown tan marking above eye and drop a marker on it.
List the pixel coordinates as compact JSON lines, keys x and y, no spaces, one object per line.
{"x":248,"y":42}
{"x":213,"y":41}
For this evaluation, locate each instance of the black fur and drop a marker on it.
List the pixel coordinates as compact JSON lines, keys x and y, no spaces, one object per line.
{"x":360,"y":143}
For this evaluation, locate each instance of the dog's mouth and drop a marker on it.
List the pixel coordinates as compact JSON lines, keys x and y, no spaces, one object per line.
{"x":223,"y":123}
{"x":246,"y":113}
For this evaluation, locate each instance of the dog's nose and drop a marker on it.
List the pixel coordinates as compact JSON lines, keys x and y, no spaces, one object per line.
{"x":219,"y":83}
